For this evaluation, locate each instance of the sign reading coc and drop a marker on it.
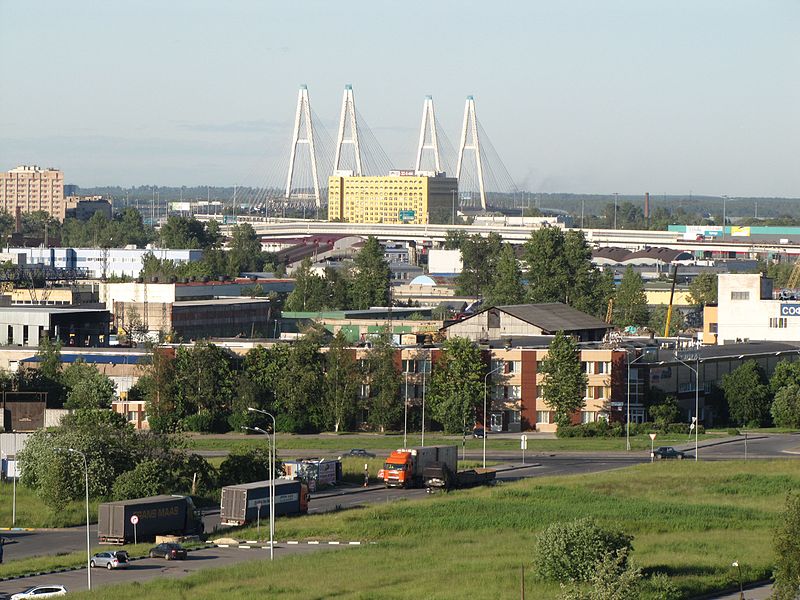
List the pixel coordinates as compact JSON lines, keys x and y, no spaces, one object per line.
{"x":790,"y":310}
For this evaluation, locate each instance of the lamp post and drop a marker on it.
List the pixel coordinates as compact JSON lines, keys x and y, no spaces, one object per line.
{"x":724,"y":214}
{"x":405,"y":412}
{"x":616,"y":195}
{"x":271,"y":492}
{"x":424,"y":366}
{"x":628,"y":420}
{"x":454,"y":207}
{"x":88,"y":542}
{"x":272,"y":473}
{"x":739,"y":573}
{"x":485,"y":393}
{"x":696,"y":369}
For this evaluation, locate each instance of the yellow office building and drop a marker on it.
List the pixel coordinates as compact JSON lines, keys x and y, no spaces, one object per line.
{"x":401,"y":197}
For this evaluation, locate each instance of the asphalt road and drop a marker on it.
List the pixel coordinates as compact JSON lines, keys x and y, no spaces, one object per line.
{"x":149,"y":568}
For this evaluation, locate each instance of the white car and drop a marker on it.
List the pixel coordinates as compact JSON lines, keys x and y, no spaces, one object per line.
{"x":41,"y":591}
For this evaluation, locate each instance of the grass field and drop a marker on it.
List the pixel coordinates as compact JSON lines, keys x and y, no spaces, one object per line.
{"x":335,"y":444}
{"x":32,"y":512}
{"x":689,"y":520}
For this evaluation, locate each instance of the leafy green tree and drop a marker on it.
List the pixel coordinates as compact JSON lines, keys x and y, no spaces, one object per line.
{"x":507,"y":286}
{"x":666,"y":412}
{"x":658,"y":319}
{"x":787,"y":372}
{"x":371,"y":277}
{"x":572,"y":551}
{"x":612,"y":579}
{"x":786,"y":406}
{"x":149,"y":478}
{"x":456,"y":391}
{"x":244,"y":250}
{"x":703,"y":289}
{"x":342,"y":382}
{"x":787,"y":551}
{"x":479,"y":256}
{"x":630,"y":301}
{"x":564,"y":381}
{"x":204,"y":383}
{"x":338,"y":282}
{"x":299,"y":389}
{"x":309,"y":293}
{"x":184,"y":232}
{"x":245,"y":466}
{"x":87,"y":387}
{"x":158,"y":387}
{"x":747,"y":393}
{"x":48,"y":377}
{"x":560,"y":270}
{"x":382,"y":376}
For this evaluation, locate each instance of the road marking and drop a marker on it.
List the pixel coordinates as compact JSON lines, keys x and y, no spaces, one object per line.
{"x":244,"y":546}
{"x":313,"y":542}
{"x":223,"y":546}
{"x":292,"y":543}
{"x":333,"y":543}
{"x":354,"y":543}
{"x":251,"y":542}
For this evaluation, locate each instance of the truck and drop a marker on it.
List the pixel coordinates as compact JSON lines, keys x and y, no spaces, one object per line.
{"x":405,"y":467}
{"x":247,"y":502}
{"x":439,"y":476}
{"x":156,"y":515}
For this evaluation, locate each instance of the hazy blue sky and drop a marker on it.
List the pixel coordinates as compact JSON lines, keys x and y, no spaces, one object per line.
{"x":577,"y":96}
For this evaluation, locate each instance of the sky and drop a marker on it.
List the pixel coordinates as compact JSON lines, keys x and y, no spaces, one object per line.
{"x":581,"y":96}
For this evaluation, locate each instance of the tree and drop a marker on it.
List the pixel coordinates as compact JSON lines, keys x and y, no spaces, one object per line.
{"x":747,"y":394}
{"x":457,"y":388}
{"x":245,"y":466}
{"x":341,"y":384}
{"x":630,"y":301}
{"x":158,"y":387}
{"x":560,"y":270}
{"x":309,"y":293}
{"x":507,"y":286}
{"x":479,"y":257}
{"x":299,"y":389}
{"x":244,"y":250}
{"x":613,"y":579}
{"x":785,"y":409}
{"x":786,"y":372}
{"x":666,"y":412}
{"x":658,"y":319}
{"x":703,"y":289}
{"x":184,"y":232}
{"x":787,"y":551}
{"x":87,"y":387}
{"x":564,"y":381}
{"x":381,"y":375}
{"x":204,"y":384}
{"x":371,"y":277}
{"x":48,"y":377}
{"x":148,"y":478}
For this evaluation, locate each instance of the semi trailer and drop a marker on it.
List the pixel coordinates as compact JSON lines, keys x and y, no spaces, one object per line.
{"x":244,"y":503}
{"x":145,"y":518}
{"x":405,"y":467}
{"x":440,"y":477}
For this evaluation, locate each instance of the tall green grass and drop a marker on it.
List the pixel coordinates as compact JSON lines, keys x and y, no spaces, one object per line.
{"x":689,"y":520}
{"x":32,"y":512}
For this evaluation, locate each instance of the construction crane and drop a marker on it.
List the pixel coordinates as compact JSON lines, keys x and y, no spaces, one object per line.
{"x":794,"y":277}
{"x":671,"y":297}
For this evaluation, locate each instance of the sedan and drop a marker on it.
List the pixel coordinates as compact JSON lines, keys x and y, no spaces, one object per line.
{"x":357,"y":452}
{"x":110,"y":560}
{"x":668,"y":452}
{"x":168,"y":551}
{"x":41,"y":591}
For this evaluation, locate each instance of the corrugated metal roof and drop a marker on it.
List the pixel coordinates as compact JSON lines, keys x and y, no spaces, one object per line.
{"x":554,"y":316}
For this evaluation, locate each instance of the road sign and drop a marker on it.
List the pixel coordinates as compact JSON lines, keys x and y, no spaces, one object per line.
{"x":652,"y":436}
{"x":523,"y":442}
{"x":134,"y":519}
{"x":406,"y":215}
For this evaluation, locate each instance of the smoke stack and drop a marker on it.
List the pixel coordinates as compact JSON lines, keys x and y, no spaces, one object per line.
{"x":647,"y":205}
{"x":18,"y":220}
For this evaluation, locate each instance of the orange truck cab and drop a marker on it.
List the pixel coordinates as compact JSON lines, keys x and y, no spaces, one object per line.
{"x":404,"y":467}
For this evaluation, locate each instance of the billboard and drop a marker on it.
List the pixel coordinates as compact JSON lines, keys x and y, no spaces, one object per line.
{"x":694,"y":232}
{"x":740,"y":231}
{"x":406,"y":215}
{"x":790,"y":310}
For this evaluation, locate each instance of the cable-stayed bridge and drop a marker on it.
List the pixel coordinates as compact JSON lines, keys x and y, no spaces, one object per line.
{"x":300,"y":178}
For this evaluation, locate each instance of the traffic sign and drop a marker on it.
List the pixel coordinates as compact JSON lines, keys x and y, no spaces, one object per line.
{"x":523,"y":442}
{"x":652,"y":436}
{"x":134,"y":519}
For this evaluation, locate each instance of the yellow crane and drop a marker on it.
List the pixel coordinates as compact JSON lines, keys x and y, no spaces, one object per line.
{"x":794,"y":277}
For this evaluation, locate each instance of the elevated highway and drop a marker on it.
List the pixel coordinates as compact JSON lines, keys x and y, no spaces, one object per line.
{"x":623,"y":238}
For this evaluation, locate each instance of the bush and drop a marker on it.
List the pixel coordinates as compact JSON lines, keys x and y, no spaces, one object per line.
{"x":667,"y":412}
{"x":205,"y":422}
{"x":786,"y":407}
{"x":659,"y":587}
{"x":733,"y":431}
{"x":600,"y":428}
{"x":572,"y":551}
{"x":245,"y":467}
{"x":148,"y":478}
{"x":787,"y":551}
{"x":613,"y":579}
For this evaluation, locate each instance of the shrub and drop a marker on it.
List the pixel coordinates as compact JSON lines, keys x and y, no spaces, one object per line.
{"x":613,"y":579}
{"x":148,"y":478}
{"x":205,"y":422}
{"x":667,"y":412}
{"x":245,"y":467}
{"x":733,"y":431}
{"x":787,"y":551}
{"x":786,"y":407}
{"x":659,"y":587}
{"x":572,"y":551}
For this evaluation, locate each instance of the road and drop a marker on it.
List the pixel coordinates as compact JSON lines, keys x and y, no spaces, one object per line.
{"x":149,"y":568}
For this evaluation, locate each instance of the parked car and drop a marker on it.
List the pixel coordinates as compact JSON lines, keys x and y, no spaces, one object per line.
{"x":110,"y":560}
{"x":478,"y":433}
{"x":168,"y":551}
{"x":668,"y":452}
{"x":41,"y":591}
{"x":357,"y":452}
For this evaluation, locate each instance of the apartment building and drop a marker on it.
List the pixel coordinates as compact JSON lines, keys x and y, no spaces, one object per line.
{"x":31,"y":189}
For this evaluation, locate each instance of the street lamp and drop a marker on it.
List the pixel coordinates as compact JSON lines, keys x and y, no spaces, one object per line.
{"x":88,"y":542}
{"x":405,"y":413}
{"x":274,"y":462}
{"x":271,"y":491}
{"x":628,"y":421}
{"x":454,"y":206}
{"x":739,"y":570}
{"x":696,"y":370}
{"x":485,"y":390}
{"x":424,"y":366}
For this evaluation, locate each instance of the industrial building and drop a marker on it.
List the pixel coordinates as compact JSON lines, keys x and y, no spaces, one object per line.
{"x":73,"y":326}
{"x":412,"y":197}
{"x":30,"y":189}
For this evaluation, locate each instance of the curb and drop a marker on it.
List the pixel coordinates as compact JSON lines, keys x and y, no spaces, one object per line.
{"x":66,"y":569}
{"x":733,"y":589}
{"x":254,"y":545}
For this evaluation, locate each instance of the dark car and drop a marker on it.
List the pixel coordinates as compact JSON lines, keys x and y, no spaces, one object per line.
{"x":357,"y":452}
{"x":169,"y":551}
{"x":478,"y":432}
{"x":668,"y":452}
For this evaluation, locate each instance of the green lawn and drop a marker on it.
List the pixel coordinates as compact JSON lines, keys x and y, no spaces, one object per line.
{"x":689,"y":520}
{"x":32,"y":512}
{"x":333,"y":444}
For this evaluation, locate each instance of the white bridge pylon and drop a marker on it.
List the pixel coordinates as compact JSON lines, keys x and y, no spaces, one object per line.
{"x":303,"y":134}
{"x":470,"y":141}
{"x":348,"y":118}
{"x":427,"y":131}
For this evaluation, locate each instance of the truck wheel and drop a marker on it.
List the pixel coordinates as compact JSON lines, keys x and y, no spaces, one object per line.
{"x":91,"y":564}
